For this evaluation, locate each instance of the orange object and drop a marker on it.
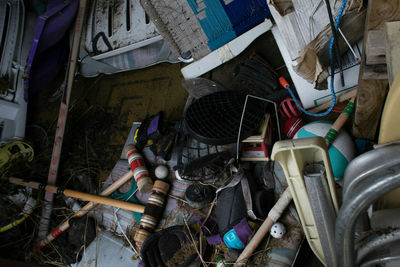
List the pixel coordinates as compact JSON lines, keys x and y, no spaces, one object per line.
{"x":283,"y":82}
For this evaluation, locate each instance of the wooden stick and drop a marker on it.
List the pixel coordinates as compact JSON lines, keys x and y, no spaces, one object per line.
{"x":62,"y":118}
{"x":80,"y":195}
{"x":273,"y":216}
{"x":340,"y":121}
{"x":85,"y":209}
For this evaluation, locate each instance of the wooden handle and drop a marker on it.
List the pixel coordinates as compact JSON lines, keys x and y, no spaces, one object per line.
{"x":102,"y":200}
{"x":341,"y":120}
{"x":254,"y":242}
{"x":106,"y":192}
{"x":22,"y":182}
{"x":273,"y":216}
{"x":85,"y":209}
{"x":82,"y":196}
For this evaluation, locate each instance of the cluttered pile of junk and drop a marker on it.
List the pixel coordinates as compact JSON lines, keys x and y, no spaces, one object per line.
{"x":299,"y":169}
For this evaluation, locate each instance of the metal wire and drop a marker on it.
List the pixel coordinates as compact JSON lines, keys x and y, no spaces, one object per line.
{"x":241,"y":120}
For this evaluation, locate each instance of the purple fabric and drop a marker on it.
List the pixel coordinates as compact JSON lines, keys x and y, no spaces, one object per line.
{"x":243,"y":230}
{"x":214,"y":240}
{"x":50,"y":44}
{"x":153,"y":126}
{"x":210,"y":227}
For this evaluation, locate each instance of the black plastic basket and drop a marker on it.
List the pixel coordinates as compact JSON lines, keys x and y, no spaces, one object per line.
{"x":215,"y":119}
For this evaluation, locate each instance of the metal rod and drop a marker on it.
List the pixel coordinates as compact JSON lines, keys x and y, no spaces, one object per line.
{"x":358,"y":59}
{"x":241,"y":121}
{"x":322,"y":209}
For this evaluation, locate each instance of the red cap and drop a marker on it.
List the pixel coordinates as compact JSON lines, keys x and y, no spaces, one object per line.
{"x":283,"y":82}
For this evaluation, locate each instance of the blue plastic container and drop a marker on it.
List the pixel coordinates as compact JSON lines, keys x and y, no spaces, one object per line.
{"x":245,"y":14}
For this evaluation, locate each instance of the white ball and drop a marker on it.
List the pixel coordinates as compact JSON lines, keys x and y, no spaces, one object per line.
{"x":277,"y":230}
{"x":161,"y":172}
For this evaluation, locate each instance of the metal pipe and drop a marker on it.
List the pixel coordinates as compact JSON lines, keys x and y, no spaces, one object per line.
{"x":322,"y":208}
{"x":376,"y":242}
{"x":364,"y":194}
{"x":380,"y":261}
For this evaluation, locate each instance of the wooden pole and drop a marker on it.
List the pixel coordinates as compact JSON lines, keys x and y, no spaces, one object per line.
{"x":273,"y":216}
{"x":339,"y":122}
{"x":80,"y":195}
{"x":85,"y":209}
{"x":62,"y":119}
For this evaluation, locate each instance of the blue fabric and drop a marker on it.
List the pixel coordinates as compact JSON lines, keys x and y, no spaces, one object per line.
{"x":216,"y":24}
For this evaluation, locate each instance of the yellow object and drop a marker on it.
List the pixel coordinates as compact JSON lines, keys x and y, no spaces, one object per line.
{"x":149,"y":141}
{"x":390,"y":124}
{"x":28,"y":209}
{"x":255,"y":148}
{"x":293,"y":155}
{"x":262,"y":131}
{"x":389,"y":132}
{"x":12,"y":151}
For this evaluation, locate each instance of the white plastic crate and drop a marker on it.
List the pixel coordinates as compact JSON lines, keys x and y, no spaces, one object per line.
{"x":122,"y":23}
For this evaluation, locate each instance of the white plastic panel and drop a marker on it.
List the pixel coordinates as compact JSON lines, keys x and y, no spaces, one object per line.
{"x":124,"y":24}
{"x":106,"y":251}
{"x":293,"y":155}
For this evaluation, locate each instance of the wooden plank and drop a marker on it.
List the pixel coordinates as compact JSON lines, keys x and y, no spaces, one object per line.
{"x":371,"y":92}
{"x":378,"y":72}
{"x":379,"y":11}
{"x":376,"y":47}
{"x":369,"y":103}
{"x":392,"y":36}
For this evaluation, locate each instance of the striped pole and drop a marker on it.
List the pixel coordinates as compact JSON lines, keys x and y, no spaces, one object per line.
{"x":140,"y":172}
